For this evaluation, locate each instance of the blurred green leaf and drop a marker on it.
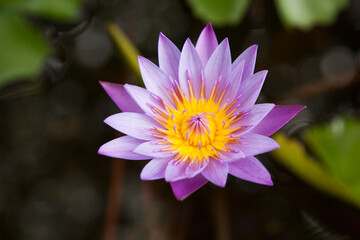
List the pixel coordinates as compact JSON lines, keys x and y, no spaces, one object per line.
{"x":62,"y":10}
{"x":305,"y":14}
{"x":125,"y":47}
{"x":338,"y":146}
{"x":23,"y":50}
{"x":219,"y":12}
{"x":292,"y":155}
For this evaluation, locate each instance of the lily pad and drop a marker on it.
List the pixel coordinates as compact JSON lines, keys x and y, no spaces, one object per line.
{"x":219,"y":12}
{"x":23,"y":49}
{"x":338,"y":146}
{"x":305,"y":14}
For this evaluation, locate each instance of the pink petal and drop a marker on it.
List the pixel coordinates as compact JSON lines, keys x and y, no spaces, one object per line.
{"x":231,"y":156}
{"x":254,"y":144}
{"x":249,"y":56}
{"x":144,"y":99}
{"x":153,"y":149}
{"x":122,"y":147}
{"x":195,"y":168}
{"x":235,"y":81}
{"x":184,"y":188}
{"x":169,"y":56}
{"x":250,"y":169}
{"x":216,"y":172}
{"x":120,"y":97}
{"x":155,"y":80}
{"x":218,"y":66}
{"x":155,"y":169}
{"x":277,"y":118}
{"x":175,"y":171}
{"x":133,"y":124}
{"x":206,"y":43}
{"x":190,"y":66}
{"x":249,"y":91}
{"x":254,"y":116}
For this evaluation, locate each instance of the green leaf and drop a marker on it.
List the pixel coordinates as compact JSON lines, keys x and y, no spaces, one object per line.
{"x":305,"y":14}
{"x":219,"y":12}
{"x":292,"y":155}
{"x":23,"y":50}
{"x":125,"y":47}
{"x":338,"y":146}
{"x":62,"y":10}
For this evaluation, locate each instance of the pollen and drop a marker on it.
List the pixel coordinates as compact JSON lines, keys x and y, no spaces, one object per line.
{"x":198,"y":128}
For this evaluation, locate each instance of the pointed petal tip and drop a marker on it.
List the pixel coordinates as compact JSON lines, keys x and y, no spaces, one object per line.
{"x":100,"y":150}
{"x":269,"y":182}
{"x":162,"y":37}
{"x":188,"y":42}
{"x":254,"y":47}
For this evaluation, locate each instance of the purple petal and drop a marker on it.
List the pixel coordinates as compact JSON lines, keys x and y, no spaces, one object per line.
{"x":250,"y":169}
{"x":254,"y":116}
{"x":277,"y":118}
{"x":175,"y":171}
{"x":122,"y":147}
{"x":190,"y":66}
{"x":254,"y":144}
{"x":235,"y":81}
{"x":155,"y":169}
{"x":195,"y":168}
{"x":206,"y":44}
{"x":144,"y":99}
{"x":249,"y":56}
{"x":153,"y":149}
{"x":250,"y":90}
{"x":216,"y":172}
{"x":133,"y":124}
{"x":218,"y":66}
{"x":231,"y":156}
{"x":169,"y":56}
{"x":184,"y":188}
{"x":155,"y":79}
{"x":120,"y":97}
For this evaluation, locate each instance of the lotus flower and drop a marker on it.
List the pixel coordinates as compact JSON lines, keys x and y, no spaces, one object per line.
{"x":197,"y":119}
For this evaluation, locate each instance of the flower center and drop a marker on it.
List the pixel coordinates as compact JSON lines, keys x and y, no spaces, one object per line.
{"x":197,"y":128}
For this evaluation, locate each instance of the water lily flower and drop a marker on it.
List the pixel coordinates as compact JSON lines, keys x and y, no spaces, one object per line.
{"x":197,"y":119}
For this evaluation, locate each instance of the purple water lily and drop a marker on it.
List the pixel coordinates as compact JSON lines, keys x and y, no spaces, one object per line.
{"x":197,"y":119}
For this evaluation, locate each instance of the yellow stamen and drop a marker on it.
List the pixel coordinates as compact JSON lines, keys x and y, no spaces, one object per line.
{"x":197,"y":129}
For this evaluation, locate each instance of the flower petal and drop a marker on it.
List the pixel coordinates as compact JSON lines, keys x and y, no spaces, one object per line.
{"x":218,"y":67}
{"x":195,"y":168}
{"x":175,"y":171}
{"x":250,"y":90}
{"x":206,"y":43}
{"x":133,"y":124}
{"x":153,"y":149}
{"x":169,"y":56}
{"x":254,"y":116}
{"x":155,"y":80}
{"x":235,"y":81}
{"x":249,"y":56}
{"x":120,"y":97}
{"x":216,"y":172}
{"x":155,"y":169}
{"x":185,"y":187}
{"x":122,"y":147}
{"x":277,"y":118}
{"x":250,"y":169}
{"x":254,"y":144}
{"x":190,"y":67}
{"x":144,"y":99}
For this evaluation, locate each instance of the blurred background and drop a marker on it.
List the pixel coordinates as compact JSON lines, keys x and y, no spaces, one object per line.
{"x":54,"y":185}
